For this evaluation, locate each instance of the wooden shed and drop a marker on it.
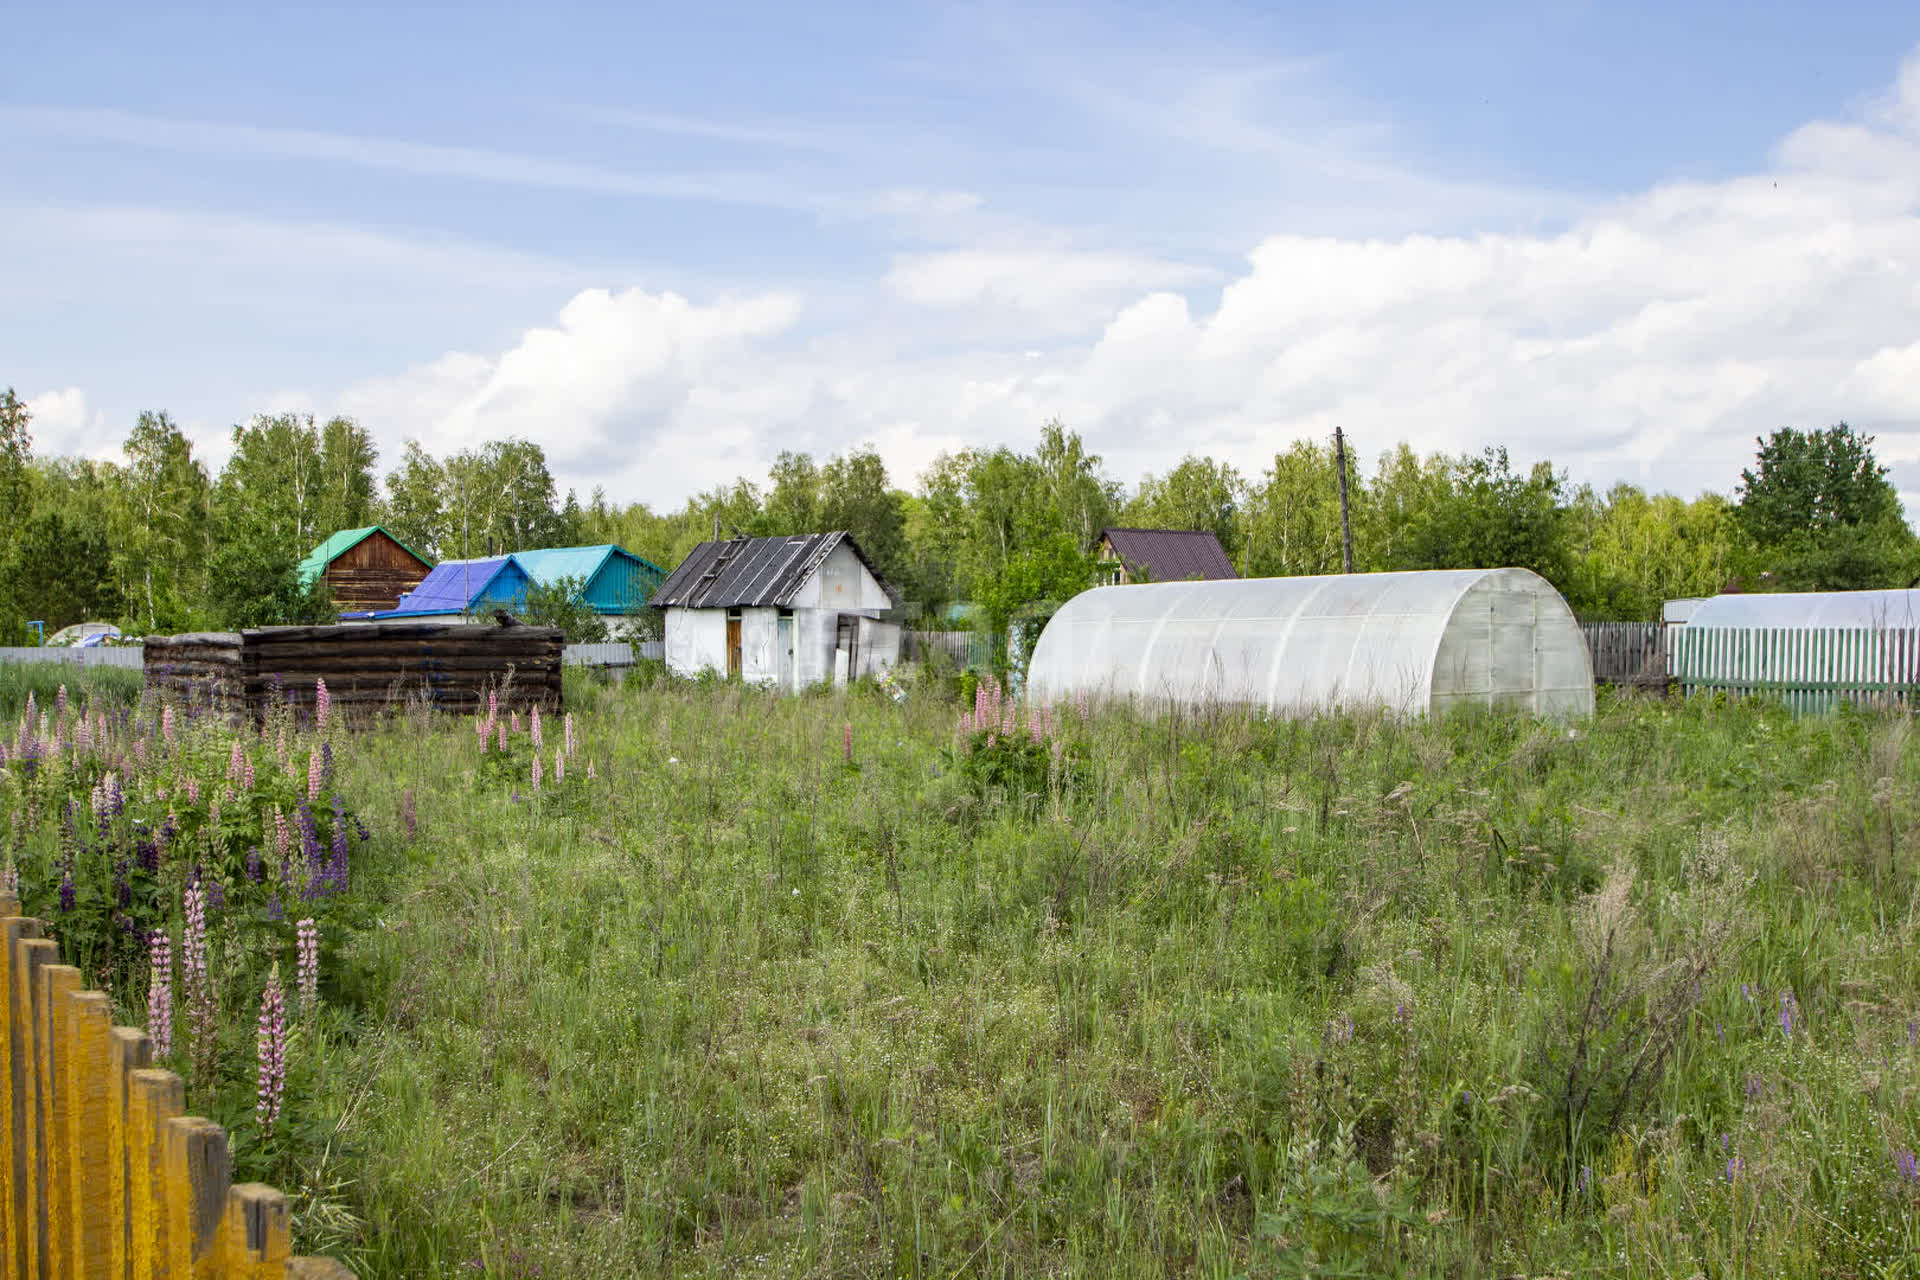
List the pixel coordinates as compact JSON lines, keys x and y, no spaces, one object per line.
{"x":364,"y":569}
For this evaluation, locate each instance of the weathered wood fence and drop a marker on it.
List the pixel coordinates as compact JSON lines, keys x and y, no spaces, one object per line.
{"x":957,"y":647}
{"x":102,"y":1176}
{"x":1627,"y":653}
{"x":1809,"y":668}
{"x":450,"y":666}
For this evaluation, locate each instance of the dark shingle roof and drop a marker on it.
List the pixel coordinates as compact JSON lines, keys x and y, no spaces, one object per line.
{"x":753,"y":572}
{"x":1171,"y":555}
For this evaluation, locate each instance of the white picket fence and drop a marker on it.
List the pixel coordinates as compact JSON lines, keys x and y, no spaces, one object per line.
{"x":118,"y":656}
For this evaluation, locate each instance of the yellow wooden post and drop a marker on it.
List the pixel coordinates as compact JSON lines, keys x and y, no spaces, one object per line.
{"x":16,"y":1058}
{"x":95,"y":1218}
{"x":157,"y":1097}
{"x":55,"y":983}
{"x":128,"y":1051}
{"x":256,"y":1233}
{"x":30,"y":957}
{"x":317,"y":1269}
{"x":199,"y":1171}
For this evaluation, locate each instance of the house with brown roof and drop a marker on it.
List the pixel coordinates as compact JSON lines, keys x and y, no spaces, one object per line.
{"x":1162,"y":555}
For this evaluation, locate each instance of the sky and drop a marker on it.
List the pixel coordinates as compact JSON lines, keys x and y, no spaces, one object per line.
{"x":669,"y":242}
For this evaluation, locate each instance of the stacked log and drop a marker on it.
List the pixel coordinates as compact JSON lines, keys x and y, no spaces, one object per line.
{"x":446,"y":666}
{"x":201,"y":669}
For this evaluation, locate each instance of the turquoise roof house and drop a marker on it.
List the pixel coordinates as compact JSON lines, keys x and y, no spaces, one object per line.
{"x":616,"y":582}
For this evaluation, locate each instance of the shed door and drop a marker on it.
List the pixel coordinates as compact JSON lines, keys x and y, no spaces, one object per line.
{"x":846,"y":640}
{"x":733,"y":646}
{"x":783,"y":650}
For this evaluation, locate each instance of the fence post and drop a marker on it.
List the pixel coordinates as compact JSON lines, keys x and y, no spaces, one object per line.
{"x":16,"y":1057}
{"x":31,"y":956}
{"x":256,"y":1233}
{"x":128,"y":1051}
{"x":157,"y":1096}
{"x":88,"y":1019}
{"x":56,"y":983}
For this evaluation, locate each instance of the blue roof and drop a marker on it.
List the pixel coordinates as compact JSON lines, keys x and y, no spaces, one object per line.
{"x":462,"y":586}
{"x":615,"y":579}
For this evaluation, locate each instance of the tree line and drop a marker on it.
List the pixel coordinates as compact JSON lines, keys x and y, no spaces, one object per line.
{"x":155,"y":541}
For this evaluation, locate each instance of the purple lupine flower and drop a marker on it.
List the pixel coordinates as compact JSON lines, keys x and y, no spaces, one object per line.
{"x":253,"y":866}
{"x":122,"y":890}
{"x":66,"y":889}
{"x":308,"y":946}
{"x":275,"y":912}
{"x":1786,"y":1012}
{"x":1734,"y":1165}
{"x":272,"y":1042}
{"x":321,"y":702}
{"x":216,"y":896}
{"x":160,"y":993}
{"x":337,"y":871}
{"x":1907,"y":1165}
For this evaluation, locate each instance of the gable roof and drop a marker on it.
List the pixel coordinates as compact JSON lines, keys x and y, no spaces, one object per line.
{"x":549,"y":565}
{"x":453,"y":585}
{"x":1171,"y":555}
{"x":755,"y":572}
{"x":342,"y":542}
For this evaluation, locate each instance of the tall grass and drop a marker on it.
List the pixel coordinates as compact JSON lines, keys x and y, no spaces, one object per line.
{"x":118,"y":686}
{"x":1225,"y":996}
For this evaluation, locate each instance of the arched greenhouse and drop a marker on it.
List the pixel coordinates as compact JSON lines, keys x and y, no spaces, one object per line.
{"x":1409,"y":642}
{"x":1887,"y":609}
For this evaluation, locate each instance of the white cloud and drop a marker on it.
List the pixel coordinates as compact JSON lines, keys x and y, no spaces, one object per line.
{"x":1066,"y":287}
{"x":63,"y":423}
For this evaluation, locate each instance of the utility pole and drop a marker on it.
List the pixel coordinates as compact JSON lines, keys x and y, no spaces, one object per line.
{"x":1346,"y":516}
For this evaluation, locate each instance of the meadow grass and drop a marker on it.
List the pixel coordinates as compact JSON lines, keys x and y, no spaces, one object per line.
{"x":110,"y":686}
{"x":1220,"y":996}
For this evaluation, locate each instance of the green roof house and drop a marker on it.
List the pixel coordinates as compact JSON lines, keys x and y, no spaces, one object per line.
{"x":364,"y":569}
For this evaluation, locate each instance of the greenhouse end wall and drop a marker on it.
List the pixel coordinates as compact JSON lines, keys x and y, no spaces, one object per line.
{"x":1407,"y":642}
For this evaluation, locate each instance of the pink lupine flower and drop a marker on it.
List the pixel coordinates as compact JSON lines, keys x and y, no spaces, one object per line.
{"x":559,"y":766}
{"x":493,"y":704}
{"x":272,"y":1042}
{"x":313,"y":775}
{"x":60,"y":701}
{"x":193,"y":789}
{"x":140,"y":750}
{"x":568,"y":724}
{"x":246,"y":773}
{"x":199,"y":984}
{"x":308,"y":936}
{"x":282,"y":836}
{"x":533,"y":727}
{"x":160,"y":993}
{"x":166,"y":724}
{"x":536,"y":772}
{"x":321,"y":702}
{"x":513,"y":718}
{"x":280,"y":753}
{"x":480,"y":727}
{"x":501,"y":727}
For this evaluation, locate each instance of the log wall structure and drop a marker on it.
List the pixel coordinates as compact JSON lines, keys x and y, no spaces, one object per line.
{"x":373,"y":573}
{"x":101,"y":1172}
{"x":447,"y":666}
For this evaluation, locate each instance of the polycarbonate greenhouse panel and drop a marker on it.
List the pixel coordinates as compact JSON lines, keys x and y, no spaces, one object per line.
{"x":1408,"y":642}
{"x":1891,"y":609}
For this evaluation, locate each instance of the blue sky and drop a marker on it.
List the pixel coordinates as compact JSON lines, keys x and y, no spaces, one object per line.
{"x":669,"y":242}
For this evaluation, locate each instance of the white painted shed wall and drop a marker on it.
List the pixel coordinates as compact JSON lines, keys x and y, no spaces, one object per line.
{"x":696,"y":641}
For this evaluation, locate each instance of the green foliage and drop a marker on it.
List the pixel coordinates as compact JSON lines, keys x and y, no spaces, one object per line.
{"x":1822,"y":514}
{"x":58,"y":572}
{"x":561,"y":604}
{"x":1198,"y":494}
{"x":254,"y":581}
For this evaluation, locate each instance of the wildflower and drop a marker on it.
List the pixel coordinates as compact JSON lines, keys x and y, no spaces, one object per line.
{"x":193,"y":789}
{"x":337,"y":870}
{"x":280,"y":753}
{"x":1734,"y":1165}
{"x":275,"y":912}
{"x":559,"y":766}
{"x":308,"y":935}
{"x":60,"y":701}
{"x":273,"y":1051}
{"x":1786,"y":1012}
{"x":846,"y":742}
{"x":513,"y":720}
{"x":567,"y":724}
{"x":313,"y":775}
{"x":493,"y":704}
{"x":253,"y":866}
{"x":282,"y":840}
{"x":234,"y":758}
{"x":321,"y":702}
{"x":216,"y":896}
{"x":536,"y":772}
{"x":160,"y":993}
{"x":533,"y":727}
{"x":326,"y":766}
{"x":481,"y":725}
{"x":66,"y":890}
{"x":166,"y":724}
{"x":501,"y":727}
{"x":246,"y":774}
{"x":1907,"y":1165}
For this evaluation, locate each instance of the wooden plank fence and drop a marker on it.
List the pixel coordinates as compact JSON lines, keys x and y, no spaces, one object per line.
{"x":102,"y":1176}
{"x":957,"y":647}
{"x":1627,"y":653}
{"x":1811,"y":669}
